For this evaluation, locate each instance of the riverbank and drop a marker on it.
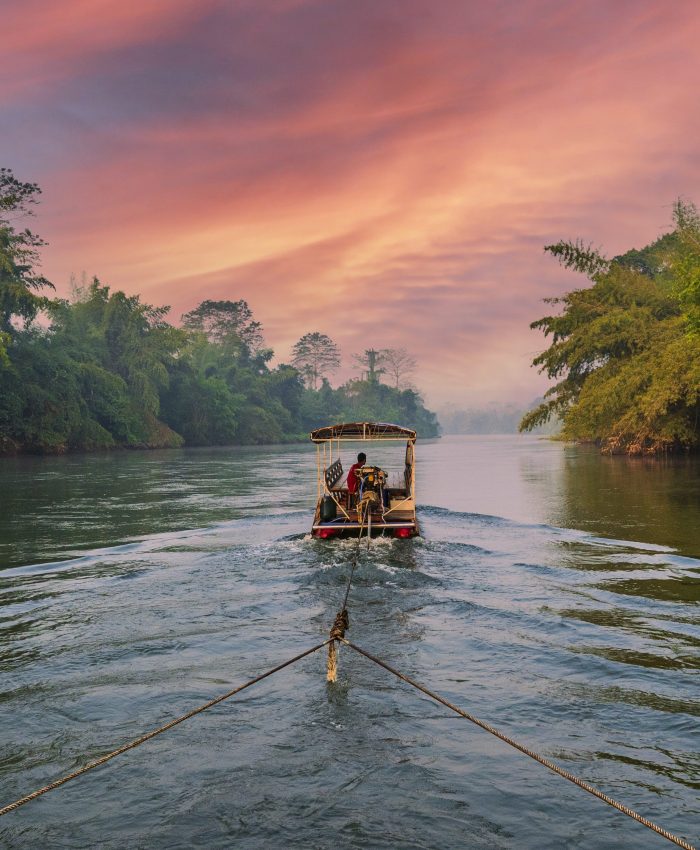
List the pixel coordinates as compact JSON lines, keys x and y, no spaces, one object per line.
{"x":10,"y":449}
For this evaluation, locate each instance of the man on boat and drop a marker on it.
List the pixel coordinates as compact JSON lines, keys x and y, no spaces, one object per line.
{"x":353,"y":480}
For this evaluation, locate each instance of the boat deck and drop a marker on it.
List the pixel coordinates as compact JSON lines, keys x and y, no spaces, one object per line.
{"x":392,"y":504}
{"x":397,"y":523}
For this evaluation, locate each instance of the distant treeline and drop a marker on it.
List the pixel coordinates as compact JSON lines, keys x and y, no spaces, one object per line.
{"x":104,"y":370}
{"x":625,"y":351}
{"x":494,"y":419}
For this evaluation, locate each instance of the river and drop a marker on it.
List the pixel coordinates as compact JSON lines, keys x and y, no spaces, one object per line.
{"x":553,"y":593}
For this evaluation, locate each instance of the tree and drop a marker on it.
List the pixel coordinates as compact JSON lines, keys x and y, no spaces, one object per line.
{"x":140,"y":344}
{"x":371,"y":362}
{"x":228,"y":323}
{"x":130,"y":340}
{"x":627,"y":371}
{"x":19,"y":256}
{"x":579,"y":257}
{"x":315,"y":355}
{"x":685,"y":265}
{"x":399,"y":364}
{"x":110,"y":371}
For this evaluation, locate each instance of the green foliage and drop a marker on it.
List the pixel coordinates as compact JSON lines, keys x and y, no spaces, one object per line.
{"x":228,"y":323}
{"x":627,"y":369}
{"x":19,"y":257}
{"x":368,"y":401}
{"x":315,"y":355}
{"x":579,"y":257}
{"x":201,"y":408}
{"x":92,"y":380}
{"x":371,"y":361}
{"x":109,"y":371}
{"x":684,"y":265}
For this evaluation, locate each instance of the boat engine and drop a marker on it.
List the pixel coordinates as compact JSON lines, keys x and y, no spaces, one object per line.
{"x":371,"y":478}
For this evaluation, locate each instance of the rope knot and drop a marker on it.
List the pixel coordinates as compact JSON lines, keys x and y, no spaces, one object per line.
{"x":340,"y":624}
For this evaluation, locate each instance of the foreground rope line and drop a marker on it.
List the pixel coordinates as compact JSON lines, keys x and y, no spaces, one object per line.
{"x":342,"y":618}
{"x":132,"y":744}
{"x":528,"y":752}
{"x":338,"y":629}
{"x":340,"y":624}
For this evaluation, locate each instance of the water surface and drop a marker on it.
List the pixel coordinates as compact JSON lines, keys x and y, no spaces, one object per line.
{"x":554,"y":593}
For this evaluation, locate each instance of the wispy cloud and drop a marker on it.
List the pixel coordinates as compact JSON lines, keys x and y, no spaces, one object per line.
{"x":386,"y":172}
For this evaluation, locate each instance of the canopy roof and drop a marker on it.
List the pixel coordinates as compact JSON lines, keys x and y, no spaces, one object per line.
{"x":354,"y":431}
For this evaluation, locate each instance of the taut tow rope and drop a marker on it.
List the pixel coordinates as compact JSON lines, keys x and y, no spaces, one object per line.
{"x":337,"y":634}
{"x":342,"y":618}
{"x":132,"y":744}
{"x":523,"y":749}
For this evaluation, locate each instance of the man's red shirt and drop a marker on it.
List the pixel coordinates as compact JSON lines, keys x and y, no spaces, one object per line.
{"x":353,"y":482}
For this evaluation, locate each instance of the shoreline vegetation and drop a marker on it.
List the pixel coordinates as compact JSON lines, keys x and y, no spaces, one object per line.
{"x":104,"y":371}
{"x":625,"y":350}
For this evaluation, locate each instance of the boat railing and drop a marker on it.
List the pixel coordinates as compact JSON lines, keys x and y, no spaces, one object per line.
{"x":333,"y":474}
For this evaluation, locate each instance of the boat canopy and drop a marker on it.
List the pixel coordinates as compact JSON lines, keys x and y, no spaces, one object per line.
{"x":361,"y":431}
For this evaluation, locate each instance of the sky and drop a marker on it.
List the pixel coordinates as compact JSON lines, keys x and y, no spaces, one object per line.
{"x":386,"y":172}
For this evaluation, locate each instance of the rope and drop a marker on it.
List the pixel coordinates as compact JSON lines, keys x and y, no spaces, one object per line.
{"x":340,"y":624}
{"x":342,"y":618}
{"x":364,"y":511}
{"x":132,"y":744}
{"x":352,"y":573}
{"x":527,"y":751}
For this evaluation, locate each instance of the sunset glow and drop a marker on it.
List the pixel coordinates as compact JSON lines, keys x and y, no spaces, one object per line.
{"x":383,"y":172}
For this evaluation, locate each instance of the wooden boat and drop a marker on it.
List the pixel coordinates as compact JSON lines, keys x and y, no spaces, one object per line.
{"x":385,"y":501}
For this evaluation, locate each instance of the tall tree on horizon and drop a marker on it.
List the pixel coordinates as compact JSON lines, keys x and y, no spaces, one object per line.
{"x":227,"y":323}
{"x":315,"y":355}
{"x":399,"y":364}
{"x":371,"y":360}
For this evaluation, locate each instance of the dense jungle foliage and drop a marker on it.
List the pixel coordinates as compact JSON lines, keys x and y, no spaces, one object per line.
{"x":104,"y":370}
{"x":625,"y":351}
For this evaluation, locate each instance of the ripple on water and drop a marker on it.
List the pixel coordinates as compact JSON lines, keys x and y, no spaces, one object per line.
{"x":584,"y":647}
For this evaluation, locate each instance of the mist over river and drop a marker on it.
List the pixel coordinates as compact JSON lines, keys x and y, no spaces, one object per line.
{"x":553,"y":593}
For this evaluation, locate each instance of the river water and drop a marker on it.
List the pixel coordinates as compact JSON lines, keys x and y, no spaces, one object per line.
{"x":553,"y":593}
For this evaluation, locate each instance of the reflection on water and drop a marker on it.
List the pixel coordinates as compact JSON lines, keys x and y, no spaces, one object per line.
{"x":54,"y":506}
{"x":554,"y":593}
{"x":654,"y":500}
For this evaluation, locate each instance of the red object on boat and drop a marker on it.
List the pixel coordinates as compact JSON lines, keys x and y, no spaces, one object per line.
{"x":403,"y":532}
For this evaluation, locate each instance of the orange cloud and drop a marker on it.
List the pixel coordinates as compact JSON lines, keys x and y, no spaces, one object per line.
{"x":387,"y":175}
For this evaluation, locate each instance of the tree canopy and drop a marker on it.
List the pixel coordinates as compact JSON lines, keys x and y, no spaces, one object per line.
{"x":625,"y":351}
{"x":399,"y":365}
{"x":19,"y":257}
{"x":105,"y":370}
{"x":227,"y":323}
{"x":371,"y":363}
{"x":315,"y":355}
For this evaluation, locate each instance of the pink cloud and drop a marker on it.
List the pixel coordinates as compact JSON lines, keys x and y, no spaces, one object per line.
{"x":378,"y":172}
{"x":47,"y":42}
